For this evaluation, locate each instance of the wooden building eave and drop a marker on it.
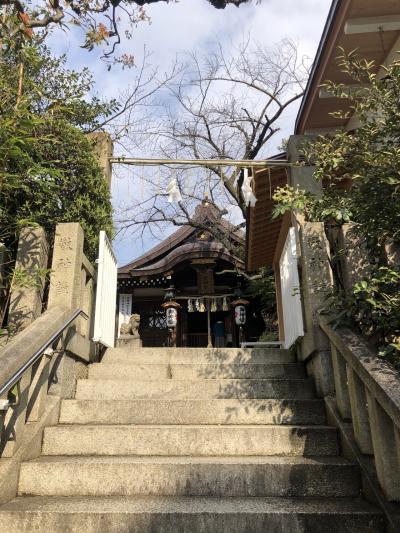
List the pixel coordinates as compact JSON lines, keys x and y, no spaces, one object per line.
{"x":315,"y":110}
{"x":262,"y":230}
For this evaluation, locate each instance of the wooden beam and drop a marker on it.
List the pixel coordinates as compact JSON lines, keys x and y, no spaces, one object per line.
{"x":242,"y":163}
{"x":372,"y":24}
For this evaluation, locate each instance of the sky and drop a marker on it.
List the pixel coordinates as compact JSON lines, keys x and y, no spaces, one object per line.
{"x":194,"y":25}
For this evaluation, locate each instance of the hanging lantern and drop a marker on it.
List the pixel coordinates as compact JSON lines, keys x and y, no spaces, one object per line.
{"x":239,"y":307}
{"x":240,"y":315}
{"x":172,"y":317}
{"x":171,"y":311}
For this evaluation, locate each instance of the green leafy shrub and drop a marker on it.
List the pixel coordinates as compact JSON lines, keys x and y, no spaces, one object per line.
{"x":48,"y":170}
{"x":360,"y":171}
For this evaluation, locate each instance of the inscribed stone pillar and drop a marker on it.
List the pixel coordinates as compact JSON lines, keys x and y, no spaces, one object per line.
{"x":103,"y":148}
{"x":32,"y":260}
{"x":66,"y":276}
{"x":354,"y":256}
{"x":316,"y":284}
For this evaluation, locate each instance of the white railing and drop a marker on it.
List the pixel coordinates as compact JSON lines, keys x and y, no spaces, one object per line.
{"x":106,"y":294}
{"x":290,"y":288}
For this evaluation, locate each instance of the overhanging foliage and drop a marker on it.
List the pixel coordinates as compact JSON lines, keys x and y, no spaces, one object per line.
{"x":48,"y":170}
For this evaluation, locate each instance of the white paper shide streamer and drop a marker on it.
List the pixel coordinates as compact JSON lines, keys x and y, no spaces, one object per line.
{"x":247,"y":189}
{"x":174,"y":194}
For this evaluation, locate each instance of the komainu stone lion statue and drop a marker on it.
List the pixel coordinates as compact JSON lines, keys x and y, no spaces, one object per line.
{"x":131,"y":327}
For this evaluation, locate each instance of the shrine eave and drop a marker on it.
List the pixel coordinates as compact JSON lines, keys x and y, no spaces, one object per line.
{"x":185,"y":253}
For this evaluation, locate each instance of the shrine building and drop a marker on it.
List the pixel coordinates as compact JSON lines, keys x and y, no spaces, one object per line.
{"x":201,"y":268}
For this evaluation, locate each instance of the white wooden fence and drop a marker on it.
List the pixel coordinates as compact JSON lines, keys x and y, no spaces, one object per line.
{"x":290,"y":287}
{"x":106,"y":294}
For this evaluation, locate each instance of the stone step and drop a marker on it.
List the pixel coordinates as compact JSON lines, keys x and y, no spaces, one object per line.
{"x":195,"y":371}
{"x":189,"y":476}
{"x":233,"y":411}
{"x":190,"y":440}
{"x":197,"y":355}
{"x":108,"y":389}
{"x":188,"y":515}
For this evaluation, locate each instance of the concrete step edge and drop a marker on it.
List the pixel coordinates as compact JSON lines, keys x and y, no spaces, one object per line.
{"x":206,"y":427}
{"x":189,"y":505}
{"x":192,"y":460}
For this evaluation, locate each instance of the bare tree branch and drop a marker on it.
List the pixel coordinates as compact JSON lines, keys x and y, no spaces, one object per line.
{"x":99,"y":19}
{"x":219,"y":106}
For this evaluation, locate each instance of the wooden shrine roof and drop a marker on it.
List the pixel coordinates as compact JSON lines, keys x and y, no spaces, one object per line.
{"x":182,"y":246}
{"x":187,"y":252}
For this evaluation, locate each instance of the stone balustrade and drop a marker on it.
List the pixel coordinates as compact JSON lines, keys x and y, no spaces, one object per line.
{"x":367,"y":393}
{"x":33,"y":402}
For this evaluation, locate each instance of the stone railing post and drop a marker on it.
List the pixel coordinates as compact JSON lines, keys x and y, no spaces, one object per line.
{"x":341,"y":384}
{"x":316,"y":284}
{"x":386,"y":446}
{"x":69,"y":286}
{"x":359,"y":412}
{"x":354,"y":261}
{"x":32,"y":261}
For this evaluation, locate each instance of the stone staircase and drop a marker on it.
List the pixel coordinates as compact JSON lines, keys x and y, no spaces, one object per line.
{"x":191,"y":440}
